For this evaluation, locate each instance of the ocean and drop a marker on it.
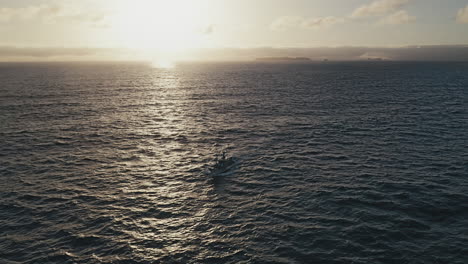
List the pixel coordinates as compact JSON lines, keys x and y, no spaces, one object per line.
{"x":339,"y":162}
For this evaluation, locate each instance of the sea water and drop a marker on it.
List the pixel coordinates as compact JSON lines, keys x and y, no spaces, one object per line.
{"x":354,"y":162}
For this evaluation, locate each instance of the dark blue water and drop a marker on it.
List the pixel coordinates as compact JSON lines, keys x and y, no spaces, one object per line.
{"x":340,"y":163}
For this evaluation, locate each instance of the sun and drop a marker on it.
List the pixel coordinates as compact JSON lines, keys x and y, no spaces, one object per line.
{"x":161,"y":27}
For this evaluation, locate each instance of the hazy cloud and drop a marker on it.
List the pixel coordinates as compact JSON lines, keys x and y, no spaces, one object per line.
{"x":207,"y":30}
{"x":462,"y":16}
{"x":44,"y":52}
{"x":378,"y":8}
{"x":52,"y":13}
{"x":13,"y":53}
{"x":398,"y":18}
{"x":24,"y":13}
{"x":410,"y":53}
{"x":287,"y":22}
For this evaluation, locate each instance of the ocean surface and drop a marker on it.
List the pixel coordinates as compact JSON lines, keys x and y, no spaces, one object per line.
{"x":339,"y":163}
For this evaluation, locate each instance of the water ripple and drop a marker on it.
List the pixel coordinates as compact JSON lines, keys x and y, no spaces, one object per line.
{"x":340,"y":163}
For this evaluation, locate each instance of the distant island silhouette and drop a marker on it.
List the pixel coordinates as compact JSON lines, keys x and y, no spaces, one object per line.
{"x":283,"y":59}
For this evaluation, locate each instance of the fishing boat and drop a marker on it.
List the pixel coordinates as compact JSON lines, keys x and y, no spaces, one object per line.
{"x":223,"y":165}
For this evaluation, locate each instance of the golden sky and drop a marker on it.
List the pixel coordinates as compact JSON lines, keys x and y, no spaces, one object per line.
{"x":177,"y":28}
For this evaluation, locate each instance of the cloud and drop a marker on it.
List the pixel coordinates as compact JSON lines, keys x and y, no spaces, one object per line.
{"x":52,"y":13}
{"x":398,"y":18}
{"x":462,"y":15}
{"x":378,"y":8}
{"x":322,"y":22}
{"x":287,"y":22}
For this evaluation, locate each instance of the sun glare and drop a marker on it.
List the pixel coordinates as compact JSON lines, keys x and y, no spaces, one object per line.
{"x":167,"y":27}
{"x":163,"y":64}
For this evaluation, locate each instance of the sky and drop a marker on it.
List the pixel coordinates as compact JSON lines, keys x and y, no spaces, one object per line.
{"x":227,"y":29}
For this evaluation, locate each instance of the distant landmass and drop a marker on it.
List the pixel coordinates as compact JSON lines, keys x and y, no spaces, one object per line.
{"x":283,"y":59}
{"x":375,"y":59}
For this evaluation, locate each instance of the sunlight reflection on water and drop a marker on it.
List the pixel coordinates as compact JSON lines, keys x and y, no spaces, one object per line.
{"x":163,"y":64}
